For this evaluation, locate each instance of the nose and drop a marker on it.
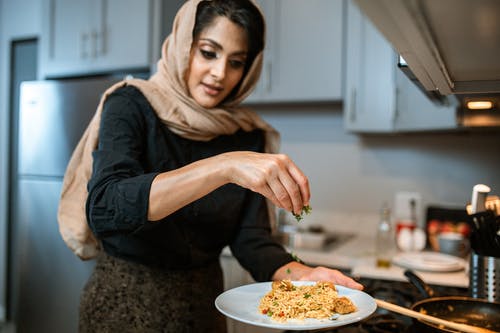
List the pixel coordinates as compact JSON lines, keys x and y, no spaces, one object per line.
{"x":218,"y":70}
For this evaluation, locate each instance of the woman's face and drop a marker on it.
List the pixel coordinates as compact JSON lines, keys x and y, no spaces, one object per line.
{"x":217,"y":62}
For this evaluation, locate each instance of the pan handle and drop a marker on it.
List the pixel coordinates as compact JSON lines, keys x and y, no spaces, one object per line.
{"x":431,"y":319}
{"x":422,"y":287}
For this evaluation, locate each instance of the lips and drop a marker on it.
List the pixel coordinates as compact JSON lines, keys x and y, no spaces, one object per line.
{"x":211,"y":90}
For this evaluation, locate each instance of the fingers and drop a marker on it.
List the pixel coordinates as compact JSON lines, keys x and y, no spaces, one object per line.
{"x":302,"y":186}
{"x":270,"y":194}
{"x":348,"y":282}
{"x":287,"y":193}
{"x":295,"y":183}
{"x":354,"y":285}
{"x":273,"y":175}
{"x":333,"y":275}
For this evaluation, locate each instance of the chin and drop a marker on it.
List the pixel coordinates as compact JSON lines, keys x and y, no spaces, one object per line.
{"x":207,"y":105}
{"x":208,"y":102}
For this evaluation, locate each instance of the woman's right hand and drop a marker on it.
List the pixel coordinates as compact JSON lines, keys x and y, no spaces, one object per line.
{"x":275,"y":176}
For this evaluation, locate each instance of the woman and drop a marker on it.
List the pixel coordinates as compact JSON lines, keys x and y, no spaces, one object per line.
{"x":180,"y":172}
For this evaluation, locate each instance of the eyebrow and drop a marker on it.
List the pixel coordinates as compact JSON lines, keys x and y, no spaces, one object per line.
{"x":218,"y":46}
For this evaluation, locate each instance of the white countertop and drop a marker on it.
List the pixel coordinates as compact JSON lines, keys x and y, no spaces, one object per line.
{"x":358,"y":255}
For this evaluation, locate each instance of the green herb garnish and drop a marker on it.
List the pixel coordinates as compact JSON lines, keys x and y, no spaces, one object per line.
{"x":305,"y":210}
{"x":288,"y":271}
{"x":297,"y":259}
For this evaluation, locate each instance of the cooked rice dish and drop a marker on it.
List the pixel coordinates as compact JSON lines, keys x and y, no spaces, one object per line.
{"x":319,"y":301}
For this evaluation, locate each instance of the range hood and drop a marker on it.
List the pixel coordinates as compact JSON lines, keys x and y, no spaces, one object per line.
{"x":450,"y":47}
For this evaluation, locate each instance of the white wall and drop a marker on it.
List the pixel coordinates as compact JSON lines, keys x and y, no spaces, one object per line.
{"x":351,"y":176}
{"x":19,"y":19}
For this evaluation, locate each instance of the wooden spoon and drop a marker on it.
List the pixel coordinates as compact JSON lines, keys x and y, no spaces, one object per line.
{"x":431,"y":319}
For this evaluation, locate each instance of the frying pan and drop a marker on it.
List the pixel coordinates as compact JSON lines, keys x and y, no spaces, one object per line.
{"x":464,"y":310}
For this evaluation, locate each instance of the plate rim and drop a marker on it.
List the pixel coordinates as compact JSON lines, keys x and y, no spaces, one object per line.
{"x":306,"y":324}
{"x":456,"y":264}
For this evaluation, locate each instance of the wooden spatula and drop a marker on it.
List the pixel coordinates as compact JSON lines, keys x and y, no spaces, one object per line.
{"x":431,"y":319}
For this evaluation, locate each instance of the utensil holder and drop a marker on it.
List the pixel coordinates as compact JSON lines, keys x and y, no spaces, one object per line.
{"x":485,"y":234}
{"x":484,"y":277}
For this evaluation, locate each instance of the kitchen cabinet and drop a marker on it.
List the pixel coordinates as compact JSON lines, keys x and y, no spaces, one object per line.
{"x":93,"y":36}
{"x":379,"y":98}
{"x":303,"y":54}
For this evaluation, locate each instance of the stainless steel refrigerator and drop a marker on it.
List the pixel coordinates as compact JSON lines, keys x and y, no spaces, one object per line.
{"x":46,"y":277}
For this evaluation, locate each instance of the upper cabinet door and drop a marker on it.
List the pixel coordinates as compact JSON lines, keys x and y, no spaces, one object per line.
{"x":93,"y":36}
{"x":303,"y":55}
{"x":370,"y":94}
{"x":65,"y":35}
{"x":379,"y":98}
{"x":125,"y":34}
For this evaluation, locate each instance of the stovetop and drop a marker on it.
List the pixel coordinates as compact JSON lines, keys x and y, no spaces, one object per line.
{"x":397,"y":292}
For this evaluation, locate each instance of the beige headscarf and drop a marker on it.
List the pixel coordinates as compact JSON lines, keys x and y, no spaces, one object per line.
{"x":167,"y":92}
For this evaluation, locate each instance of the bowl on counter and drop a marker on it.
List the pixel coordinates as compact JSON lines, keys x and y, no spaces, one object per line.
{"x":309,"y":240}
{"x":298,"y":238}
{"x":312,"y":239}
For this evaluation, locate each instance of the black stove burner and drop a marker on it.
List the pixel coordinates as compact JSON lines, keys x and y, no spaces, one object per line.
{"x":401,"y":293}
{"x":381,"y":323}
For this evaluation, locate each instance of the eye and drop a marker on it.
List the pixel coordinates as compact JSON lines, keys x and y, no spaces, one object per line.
{"x":237,"y":64}
{"x":208,"y":54}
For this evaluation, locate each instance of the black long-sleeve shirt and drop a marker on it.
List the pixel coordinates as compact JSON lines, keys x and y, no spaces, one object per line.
{"x":134,"y":147}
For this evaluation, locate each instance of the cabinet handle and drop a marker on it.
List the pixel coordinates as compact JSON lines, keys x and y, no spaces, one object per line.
{"x":104,"y":29}
{"x":352,"y":107}
{"x":94,"y":45}
{"x":104,"y":37}
{"x":269,"y":85}
{"x":84,"y":41}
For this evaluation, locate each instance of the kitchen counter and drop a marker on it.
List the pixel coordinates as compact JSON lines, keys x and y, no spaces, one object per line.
{"x":357,"y":256}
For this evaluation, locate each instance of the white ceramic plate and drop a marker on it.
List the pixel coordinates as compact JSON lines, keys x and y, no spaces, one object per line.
{"x":242,"y":304}
{"x":429,"y":261}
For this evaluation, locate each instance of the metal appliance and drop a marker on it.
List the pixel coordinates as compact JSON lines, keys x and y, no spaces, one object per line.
{"x":448,"y":48}
{"x":45,"y":276}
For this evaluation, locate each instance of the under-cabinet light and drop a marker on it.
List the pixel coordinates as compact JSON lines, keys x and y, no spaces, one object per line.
{"x":479,"y":105}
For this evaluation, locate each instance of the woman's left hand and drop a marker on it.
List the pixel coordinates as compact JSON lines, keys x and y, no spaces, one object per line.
{"x":297,"y":271}
{"x":326,"y":274}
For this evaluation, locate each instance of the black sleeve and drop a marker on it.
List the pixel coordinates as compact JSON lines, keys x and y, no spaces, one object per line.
{"x":119,"y":187}
{"x":253,"y":246}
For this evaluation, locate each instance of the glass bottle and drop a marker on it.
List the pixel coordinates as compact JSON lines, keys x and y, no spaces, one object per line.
{"x":384,"y":239}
